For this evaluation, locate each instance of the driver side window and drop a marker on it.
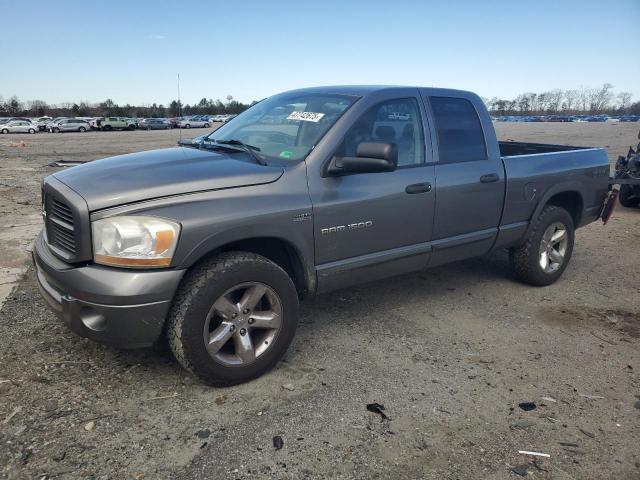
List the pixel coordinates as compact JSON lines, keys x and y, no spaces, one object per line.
{"x":394,"y":121}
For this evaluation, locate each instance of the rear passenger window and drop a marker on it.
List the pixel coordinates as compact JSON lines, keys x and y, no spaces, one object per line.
{"x":394,"y":121}
{"x":460,"y":136}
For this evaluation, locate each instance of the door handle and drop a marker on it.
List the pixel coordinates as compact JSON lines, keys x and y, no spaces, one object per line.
{"x":489,"y":177}
{"x":418,"y":188}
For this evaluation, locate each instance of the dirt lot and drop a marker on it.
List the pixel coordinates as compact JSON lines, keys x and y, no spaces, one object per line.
{"x":450,"y":353}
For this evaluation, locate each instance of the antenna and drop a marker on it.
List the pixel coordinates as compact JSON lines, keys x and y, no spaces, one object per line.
{"x":179,"y":108}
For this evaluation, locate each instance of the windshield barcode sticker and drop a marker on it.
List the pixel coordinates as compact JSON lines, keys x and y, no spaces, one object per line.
{"x":306,"y":116}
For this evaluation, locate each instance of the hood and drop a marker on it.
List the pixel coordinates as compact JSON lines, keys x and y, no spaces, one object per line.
{"x":160,"y":173}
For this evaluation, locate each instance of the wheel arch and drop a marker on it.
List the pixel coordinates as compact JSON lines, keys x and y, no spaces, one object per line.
{"x":282,"y":252}
{"x":565,"y":195}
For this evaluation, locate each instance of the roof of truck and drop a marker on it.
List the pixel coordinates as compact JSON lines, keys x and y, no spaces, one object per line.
{"x":361,"y":90}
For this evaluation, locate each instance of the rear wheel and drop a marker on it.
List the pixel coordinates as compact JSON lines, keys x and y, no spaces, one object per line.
{"x":4,"y":130}
{"x":629,"y":197}
{"x":187,"y":126}
{"x":106,"y":128}
{"x":233,"y":318}
{"x":206,"y":125}
{"x":56,"y":130}
{"x":547,"y":250}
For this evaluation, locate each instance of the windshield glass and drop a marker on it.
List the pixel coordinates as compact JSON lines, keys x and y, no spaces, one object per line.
{"x":285,"y":126}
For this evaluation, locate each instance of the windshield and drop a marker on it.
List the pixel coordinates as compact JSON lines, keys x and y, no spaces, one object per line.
{"x":285,"y":126}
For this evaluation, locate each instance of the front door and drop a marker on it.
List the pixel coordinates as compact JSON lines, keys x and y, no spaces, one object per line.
{"x":373,"y":225}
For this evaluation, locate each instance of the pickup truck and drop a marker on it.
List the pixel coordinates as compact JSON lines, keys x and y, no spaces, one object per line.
{"x":212,"y":246}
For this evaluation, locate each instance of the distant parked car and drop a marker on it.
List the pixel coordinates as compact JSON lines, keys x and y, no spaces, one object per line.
{"x":194,"y":122}
{"x":49,"y":125}
{"x":559,"y":118}
{"x":70,"y":125}
{"x":18,"y":126}
{"x":630,"y":118}
{"x":596,"y":118}
{"x":154,"y":124}
{"x":226,"y":118}
{"x":118,"y":123}
{"x":11,"y":119}
{"x":42,"y":123}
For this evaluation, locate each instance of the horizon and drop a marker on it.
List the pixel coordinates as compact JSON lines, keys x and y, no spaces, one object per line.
{"x":567,"y":46}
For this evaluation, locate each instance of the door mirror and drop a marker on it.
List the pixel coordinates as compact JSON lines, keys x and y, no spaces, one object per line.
{"x":371,"y":157}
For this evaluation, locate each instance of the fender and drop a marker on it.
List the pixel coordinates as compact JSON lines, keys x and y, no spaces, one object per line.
{"x":303,"y":250}
{"x":568,"y":186}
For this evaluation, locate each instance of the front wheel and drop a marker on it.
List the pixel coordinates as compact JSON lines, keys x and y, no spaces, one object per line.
{"x":233,"y":318}
{"x":31,"y":130}
{"x":56,"y":130}
{"x":82,"y":129}
{"x":187,"y":126}
{"x":206,"y":125}
{"x":547,"y":250}
{"x":4,"y":131}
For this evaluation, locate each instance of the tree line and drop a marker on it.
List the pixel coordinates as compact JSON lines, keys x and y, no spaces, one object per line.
{"x":591,"y":101}
{"x":13,"y":107}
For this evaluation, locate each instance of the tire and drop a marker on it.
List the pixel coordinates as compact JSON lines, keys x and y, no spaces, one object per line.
{"x":627,"y":197}
{"x":106,"y":128}
{"x":204,"y":286}
{"x":4,"y":131}
{"x":31,"y":130}
{"x":82,"y":130}
{"x":187,"y":126}
{"x":527,"y":259}
{"x":206,"y":125}
{"x":56,"y":130}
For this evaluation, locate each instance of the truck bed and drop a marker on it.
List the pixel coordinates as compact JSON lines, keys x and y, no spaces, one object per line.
{"x":514,"y":149}
{"x":536,"y":172}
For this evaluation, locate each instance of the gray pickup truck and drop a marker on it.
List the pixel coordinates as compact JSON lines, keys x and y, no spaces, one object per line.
{"x":306,"y":192}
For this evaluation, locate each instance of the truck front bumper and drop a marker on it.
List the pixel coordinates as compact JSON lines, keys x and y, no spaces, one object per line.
{"x":119,"y":307}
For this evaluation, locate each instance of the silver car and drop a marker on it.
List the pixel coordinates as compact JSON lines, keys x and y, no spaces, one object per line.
{"x":70,"y":125}
{"x":18,"y":126}
{"x":194,"y":122}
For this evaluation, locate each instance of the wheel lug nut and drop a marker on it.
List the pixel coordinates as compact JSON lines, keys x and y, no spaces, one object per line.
{"x":234,"y":315}
{"x":243,"y":331}
{"x":251,"y":320}
{"x":245,"y":311}
{"x":232,"y":328}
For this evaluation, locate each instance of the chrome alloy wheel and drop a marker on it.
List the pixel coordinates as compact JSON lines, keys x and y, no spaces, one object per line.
{"x":553,"y":247}
{"x":243,"y":324}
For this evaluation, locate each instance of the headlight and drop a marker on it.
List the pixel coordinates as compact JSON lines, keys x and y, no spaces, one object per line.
{"x":134,"y":241}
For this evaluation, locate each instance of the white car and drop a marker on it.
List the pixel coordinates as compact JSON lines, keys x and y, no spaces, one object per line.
{"x":194,"y":122}
{"x":18,"y":126}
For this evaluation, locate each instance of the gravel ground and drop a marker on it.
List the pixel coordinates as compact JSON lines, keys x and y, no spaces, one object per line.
{"x":450,"y":353}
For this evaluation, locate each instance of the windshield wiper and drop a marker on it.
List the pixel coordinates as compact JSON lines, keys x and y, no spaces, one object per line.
{"x":250,"y":149}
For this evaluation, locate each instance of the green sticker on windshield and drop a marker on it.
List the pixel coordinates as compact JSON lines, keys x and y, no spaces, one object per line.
{"x":286,"y":154}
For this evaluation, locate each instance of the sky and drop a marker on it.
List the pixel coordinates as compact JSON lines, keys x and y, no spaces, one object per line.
{"x":133,"y":51}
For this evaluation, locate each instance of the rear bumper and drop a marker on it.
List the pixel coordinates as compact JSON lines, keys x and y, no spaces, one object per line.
{"x":119,"y":307}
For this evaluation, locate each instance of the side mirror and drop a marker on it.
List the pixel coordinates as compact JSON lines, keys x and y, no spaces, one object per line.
{"x":371,"y":157}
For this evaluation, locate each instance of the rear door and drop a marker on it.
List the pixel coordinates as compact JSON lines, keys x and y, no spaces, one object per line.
{"x":470,"y":180}
{"x":374,"y":225}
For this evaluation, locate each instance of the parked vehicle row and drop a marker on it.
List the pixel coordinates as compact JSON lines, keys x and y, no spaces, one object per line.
{"x":567,"y":118}
{"x":84,"y":124}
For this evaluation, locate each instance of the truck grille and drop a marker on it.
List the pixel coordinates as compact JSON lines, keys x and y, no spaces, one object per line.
{"x":65,"y":218}
{"x":61,"y":232}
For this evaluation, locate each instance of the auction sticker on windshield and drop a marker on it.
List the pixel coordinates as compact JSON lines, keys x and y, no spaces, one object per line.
{"x":306,"y":116}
